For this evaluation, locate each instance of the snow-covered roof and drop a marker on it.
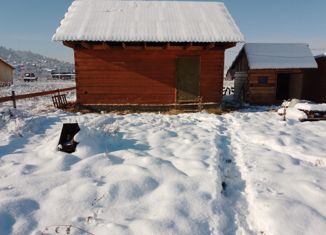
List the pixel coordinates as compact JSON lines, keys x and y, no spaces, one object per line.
{"x":151,"y":21}
{"x":279,"y":56}
{"x":311,"y":107}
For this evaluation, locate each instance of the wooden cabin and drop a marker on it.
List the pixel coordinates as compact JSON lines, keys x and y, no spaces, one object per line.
{"x":148,"y":53}
{"x":315,"y":82}
{"x":267,"y":73}
{"x":6,"y":73}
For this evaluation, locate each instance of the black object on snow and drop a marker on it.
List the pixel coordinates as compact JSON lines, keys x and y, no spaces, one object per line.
{"x":223,"y":186}
{"x":66,"y":142}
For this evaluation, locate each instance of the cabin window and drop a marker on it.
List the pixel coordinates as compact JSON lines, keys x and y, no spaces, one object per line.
{"x":263,"y":80}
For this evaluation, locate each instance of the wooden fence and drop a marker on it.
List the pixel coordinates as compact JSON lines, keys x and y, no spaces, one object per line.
{"x":15,"y":97}
{"x":228,"y":90}
{"x":5,"y":84}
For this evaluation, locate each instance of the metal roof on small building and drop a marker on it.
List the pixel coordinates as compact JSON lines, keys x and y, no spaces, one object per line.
{"x":279,"y":56}
{"x":148,"y":21}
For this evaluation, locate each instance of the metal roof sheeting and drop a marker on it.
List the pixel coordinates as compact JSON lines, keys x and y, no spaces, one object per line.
{"x":150,"y":21}
{"x":279,"y":56}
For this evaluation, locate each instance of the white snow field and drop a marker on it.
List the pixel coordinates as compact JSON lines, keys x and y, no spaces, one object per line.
{"x":21,"y":87}
{"x":244,"y":172}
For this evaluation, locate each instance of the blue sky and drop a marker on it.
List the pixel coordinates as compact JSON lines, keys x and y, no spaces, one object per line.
{"x":30,"y":24}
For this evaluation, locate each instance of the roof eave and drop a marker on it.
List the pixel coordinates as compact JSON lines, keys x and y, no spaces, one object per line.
{"x":282,"y":68}
{"x":58,"y":39}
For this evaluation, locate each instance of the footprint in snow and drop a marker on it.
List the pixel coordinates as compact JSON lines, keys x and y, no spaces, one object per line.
{"x":28,"y":169}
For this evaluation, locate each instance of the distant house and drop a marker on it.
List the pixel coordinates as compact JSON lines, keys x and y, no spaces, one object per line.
{"x":315,"y":82}
{"x":6,"y":73}
{"x":148,"y":52}
{"x":62,"y":75}
{"x":270,"y":73}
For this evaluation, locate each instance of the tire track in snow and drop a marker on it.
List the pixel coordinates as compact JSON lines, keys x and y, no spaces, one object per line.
{"x":233,"y":205}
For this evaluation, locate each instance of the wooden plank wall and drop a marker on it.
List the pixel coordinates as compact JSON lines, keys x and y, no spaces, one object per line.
{"x":6,"y":73}
{"x":262,"y":93}
{"x":315,"y":82}
{"x":242,"y":62}
{"x":123,"y":76}
{"x":266,"y":93}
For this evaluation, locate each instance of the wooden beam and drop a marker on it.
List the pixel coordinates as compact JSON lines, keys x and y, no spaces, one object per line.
{"x":106,"y":45}
{"x":101,"y":46}
{"x":229,"y":45}
{"x":210,"y":46}
{"x":188,"y":46}
{"x":69,"y":44}
{"x":86,"y":45}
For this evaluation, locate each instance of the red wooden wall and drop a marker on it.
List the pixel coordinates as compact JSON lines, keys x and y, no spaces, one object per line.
{"x":315,"y":82}
{"x":123,"y":76}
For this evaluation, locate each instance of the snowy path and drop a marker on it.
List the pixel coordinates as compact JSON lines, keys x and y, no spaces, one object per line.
{"x":283,"y":165}
{"x":234,"y":198}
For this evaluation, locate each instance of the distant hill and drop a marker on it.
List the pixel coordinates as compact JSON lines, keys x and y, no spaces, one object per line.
{"x":27,"y":61}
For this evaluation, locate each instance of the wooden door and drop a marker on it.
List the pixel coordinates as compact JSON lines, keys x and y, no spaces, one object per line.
{"x":187,"y":79}
{"x":283,"y":86}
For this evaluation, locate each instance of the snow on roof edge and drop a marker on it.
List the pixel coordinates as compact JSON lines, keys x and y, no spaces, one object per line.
{"x":61,"y":21}
{"x":231,"y":33}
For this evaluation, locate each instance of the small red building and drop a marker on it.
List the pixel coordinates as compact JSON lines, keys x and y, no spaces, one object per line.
{"x":315,"y":84}
{"x":6,"y":73}
{"x":267,"y":73}
{"x":151,"y":53}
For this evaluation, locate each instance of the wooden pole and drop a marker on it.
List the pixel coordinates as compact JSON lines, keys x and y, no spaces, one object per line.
{"x":284,"y":112}
{"x":13,"y":98}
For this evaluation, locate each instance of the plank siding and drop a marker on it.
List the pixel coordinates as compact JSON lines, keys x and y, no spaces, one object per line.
{"x":315,"y":82}
{"x":257,"y":93}
{"x":266,"y":93}
{"x":262,"y":93}
{"x":142,"y":77}
{"x":6,"y":73}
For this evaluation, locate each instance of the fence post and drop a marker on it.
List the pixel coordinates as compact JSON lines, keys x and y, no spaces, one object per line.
{"x":13,"y":98}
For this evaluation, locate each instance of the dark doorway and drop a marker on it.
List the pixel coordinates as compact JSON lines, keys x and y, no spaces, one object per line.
{"x":188,"y":73}
{"x":283,"y":86}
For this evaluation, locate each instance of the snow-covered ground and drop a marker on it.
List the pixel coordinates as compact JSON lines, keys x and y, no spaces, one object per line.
{"x":20,"y":87}
{"x":228,"y":83}
{"x":244,"y":172}
{"x":283,"y":167}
